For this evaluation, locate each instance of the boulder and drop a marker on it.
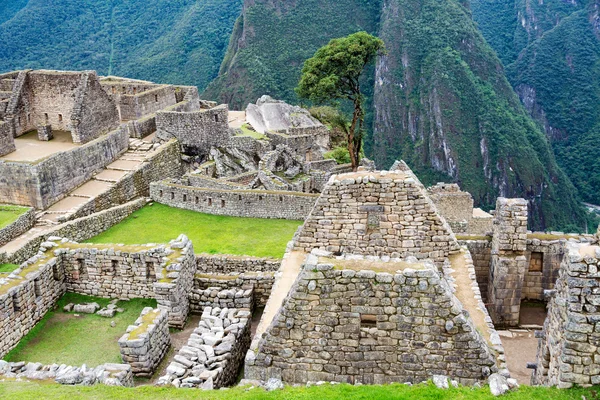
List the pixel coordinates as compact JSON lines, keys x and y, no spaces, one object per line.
{"x":498,"y":384}
{"x":275,"y":115}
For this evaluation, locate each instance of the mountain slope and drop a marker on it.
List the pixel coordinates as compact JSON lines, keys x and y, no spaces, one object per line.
{"x":444,"y":105}
{"x":441,"y":98}
{"x":273,"y":38}
{"x":556,"y":76}
{"x":181,"y":41}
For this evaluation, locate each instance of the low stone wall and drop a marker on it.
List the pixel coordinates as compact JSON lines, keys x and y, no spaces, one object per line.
{"x":201,"y":181}
{"x":236,"y":203}
{"x":24,"y":223}
{"x":261,"y":284}
{"x":239,"y":298}
{"x":78,"y":230}
{"x":569,"y":343}
{"x":26,"y":295}
{"x":105,"y":374}
{"x":343,"y":325}
{"x":226,"y":264}
{"x":134,"y":106}
{"x":146,"y":342}
{"x":549,"y":256}
{"x":140,"y":128}
{"x":165,"y":162}
{"x":175,"y":283}
{"x":214,"y":352}
{"x":481,"y":252}
{"x":7,"y":141}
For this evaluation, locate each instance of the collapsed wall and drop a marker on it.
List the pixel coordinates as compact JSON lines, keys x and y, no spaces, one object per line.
{"x":343,"y":324}
{"x":570,"y":340}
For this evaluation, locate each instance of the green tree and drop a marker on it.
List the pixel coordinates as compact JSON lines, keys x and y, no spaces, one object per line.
{"x":333,"y":74}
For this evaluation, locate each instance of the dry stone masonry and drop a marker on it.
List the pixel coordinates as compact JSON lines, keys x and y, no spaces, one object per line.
{"x":106,"y":374}
{"x":361,"y":326}
{"x":214,"y":352}
{"x":146,"y":342}
{"x":568,"y":351}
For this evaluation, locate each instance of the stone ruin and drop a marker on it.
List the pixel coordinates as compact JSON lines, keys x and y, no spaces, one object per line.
{"x":386,"y":281}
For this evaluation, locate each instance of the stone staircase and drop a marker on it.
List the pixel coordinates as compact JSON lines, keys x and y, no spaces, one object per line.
{"x":138,"y":150}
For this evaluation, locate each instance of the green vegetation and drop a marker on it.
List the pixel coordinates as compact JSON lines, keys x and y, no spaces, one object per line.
{"x":213,"y":234}
{"x":247,"y":131}
{"x":64,"y":338}
{"x":35,"y":390}
{"x":554,"y":60}
{"x":277,"y":40}
{"x":9,"y":214}
{"x":333,"y":74}
{"x":7,"y":268}
{"x":180,"y":42}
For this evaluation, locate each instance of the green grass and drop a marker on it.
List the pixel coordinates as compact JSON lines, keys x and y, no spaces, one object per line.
{"x":9,"y":214}
{"x":64,"y":338}
{"x":213,"y":234}
{"x":35,"y":391}
{"x":7,"y":268}
{"x":246,"y":131}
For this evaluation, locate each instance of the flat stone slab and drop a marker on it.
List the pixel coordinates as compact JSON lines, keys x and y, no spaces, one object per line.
{"x":125,"y":165}
{"x":68,"y":203}
{"x":111,"y":175}
{"x":92,"y":188}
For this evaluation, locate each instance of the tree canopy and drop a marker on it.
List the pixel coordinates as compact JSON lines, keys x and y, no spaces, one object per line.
{"x":333,"y":74}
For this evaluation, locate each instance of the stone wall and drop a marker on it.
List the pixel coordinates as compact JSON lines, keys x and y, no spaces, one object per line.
{"x":140,"y":128}
{"x":106,"y":374}
{"x":196,"y":131}
{"x":237,"y":203}
{"x":214,"y":352}
{"x":261,"y":284}
{"x":135,"y":106}
{"x":339,"y":324}
{"x":175,"y":283}
{"x":508,"y":261}
{"x":26,"y":295}
{"x":481,"y":253}
{"x":454,"y":204}
{"x":94,"y":112}
{"x":304,"y":144}
{"x":164,"y":162}
{"x":223,"y":298}
{"x":201,"y":181}
{"x":227,"y":264}
{"x":146,"y":342}
{"x":568,"y":347}
{"x":7,"y":141}
{"x":535,"y":282}
{"x":377,"y":213}
{"x":20,"y":226}
{"x":45,"y":182}
{"x":78,"y":230}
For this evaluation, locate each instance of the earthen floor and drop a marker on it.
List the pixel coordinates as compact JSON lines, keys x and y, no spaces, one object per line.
{"x":237,"y":119}
{"x":30,"y":149}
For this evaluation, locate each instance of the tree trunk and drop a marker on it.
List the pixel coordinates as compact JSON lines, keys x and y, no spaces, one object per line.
{"x":353,"y":149}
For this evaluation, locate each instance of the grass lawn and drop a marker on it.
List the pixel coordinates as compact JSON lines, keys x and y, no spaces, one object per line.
{"x":213,"y":234}
{"x":252,"y":133}
{"x":35,"y":391}
{"x":7,"y":268}
{"x":9,"y":214}
{"x":63,"y":338}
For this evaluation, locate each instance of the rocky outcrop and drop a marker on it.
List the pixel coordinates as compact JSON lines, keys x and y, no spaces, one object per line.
{"x":269,"y":114}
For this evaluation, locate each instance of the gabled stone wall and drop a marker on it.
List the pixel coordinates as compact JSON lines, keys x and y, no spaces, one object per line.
{"x":370,"y":327}
{"x":377,"y":213}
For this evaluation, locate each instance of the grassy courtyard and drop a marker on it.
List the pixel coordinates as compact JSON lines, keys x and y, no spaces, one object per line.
{"x":34,"y":391}
{"x":9,"y":214}
{"x":213,"y":234}
{"x":7,"y":268}
{"x":65,"y":338}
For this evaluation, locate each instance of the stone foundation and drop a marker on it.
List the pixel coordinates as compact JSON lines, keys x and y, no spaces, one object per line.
{"x":17,"y":228}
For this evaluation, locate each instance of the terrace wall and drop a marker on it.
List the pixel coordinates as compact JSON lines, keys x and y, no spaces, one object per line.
{"x":20,"y":226}
{"x":136,"y":106}
{"x":237,"y":203}
{"x":7,"y":141}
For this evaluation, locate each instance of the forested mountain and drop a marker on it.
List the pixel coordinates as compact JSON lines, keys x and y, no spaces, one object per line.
{"x":173,"y":41}
{"x":551,"y":50}
{"x":441,"y":100}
